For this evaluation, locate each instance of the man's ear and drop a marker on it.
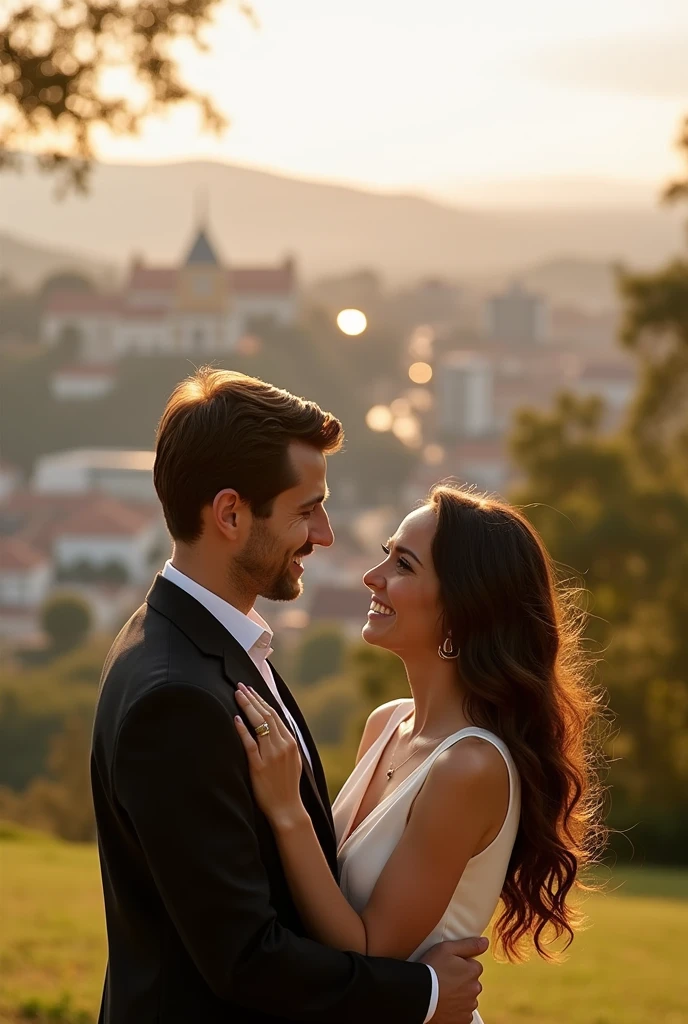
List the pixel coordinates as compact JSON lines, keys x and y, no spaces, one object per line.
{"x":231,"y":514}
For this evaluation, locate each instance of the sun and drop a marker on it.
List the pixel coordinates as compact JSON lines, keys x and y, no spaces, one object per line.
{"x":352,"y":322}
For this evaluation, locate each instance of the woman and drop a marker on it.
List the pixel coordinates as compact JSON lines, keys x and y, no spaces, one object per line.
{"x":479,"y":787}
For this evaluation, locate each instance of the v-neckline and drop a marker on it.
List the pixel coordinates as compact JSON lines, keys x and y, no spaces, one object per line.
{"x":383,"y":740}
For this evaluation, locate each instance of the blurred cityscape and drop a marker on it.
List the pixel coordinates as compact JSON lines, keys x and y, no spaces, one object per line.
{"x":445,"y":365}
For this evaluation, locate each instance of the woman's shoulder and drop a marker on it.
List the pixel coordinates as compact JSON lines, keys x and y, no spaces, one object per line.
{"x":377,"y":722}
{"x":477,"y":763}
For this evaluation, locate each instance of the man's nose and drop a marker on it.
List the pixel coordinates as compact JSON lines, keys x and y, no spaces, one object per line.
{"x":321,"y":532}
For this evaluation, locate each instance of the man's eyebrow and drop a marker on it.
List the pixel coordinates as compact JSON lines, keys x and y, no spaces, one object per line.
{"x":404,"y":551}
{"x":317,"y":500}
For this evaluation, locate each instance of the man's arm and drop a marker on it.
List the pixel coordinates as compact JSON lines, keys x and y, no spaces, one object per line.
{"x":180,"y":774}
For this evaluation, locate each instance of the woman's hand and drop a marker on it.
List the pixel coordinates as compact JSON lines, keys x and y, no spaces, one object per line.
{"x":274,"y":761}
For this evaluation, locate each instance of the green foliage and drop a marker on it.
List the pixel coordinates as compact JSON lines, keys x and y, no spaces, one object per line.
{"x":625,"y":532}
{"x":328,"y":708}
{"x":53,"y":61}
{"x":67,"y":620}
{"x":655,"y":328}
{"x":320,"y":654}
{"x":59,"y":1011}
{"x":84,"y":571}
{"x":35,"y":706}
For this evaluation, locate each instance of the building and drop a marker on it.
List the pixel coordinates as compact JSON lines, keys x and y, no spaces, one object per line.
{"x":614,"y":382}
{"x":201,"y":308}
{"x":464,"y":389}
{"x":127,"y":475}
{"x":25,"y":578}
{"x":101,"y":547}
{"x":10,"y":479}
{"x":109,"y":540}
{"x":84,"y":382}
{"x":517,"y":317}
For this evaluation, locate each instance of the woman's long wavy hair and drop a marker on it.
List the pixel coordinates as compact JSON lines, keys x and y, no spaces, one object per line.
{"x":527,"y":679}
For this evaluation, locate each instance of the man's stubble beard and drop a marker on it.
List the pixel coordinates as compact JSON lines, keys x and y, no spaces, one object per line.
{"x":255,"y":569}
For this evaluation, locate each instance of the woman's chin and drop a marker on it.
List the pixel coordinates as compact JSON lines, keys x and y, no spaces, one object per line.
{"x":373,"y":635}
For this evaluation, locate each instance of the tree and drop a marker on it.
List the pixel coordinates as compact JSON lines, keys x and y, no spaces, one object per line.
{"x":320,"y":654}
{"x":67,"y":620}
{"x":64,"y":281}
{"x":655,"y":328}
{"x":54,"y":66}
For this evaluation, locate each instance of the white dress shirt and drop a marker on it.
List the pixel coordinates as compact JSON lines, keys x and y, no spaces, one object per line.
{"x":255,"y":636}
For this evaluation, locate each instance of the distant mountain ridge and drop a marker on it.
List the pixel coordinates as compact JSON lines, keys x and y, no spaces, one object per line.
{"x":256,"y":216}
{"x":27,"y":264}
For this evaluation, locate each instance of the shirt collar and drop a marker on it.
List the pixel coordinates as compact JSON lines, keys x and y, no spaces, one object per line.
{"x":248,"y":630}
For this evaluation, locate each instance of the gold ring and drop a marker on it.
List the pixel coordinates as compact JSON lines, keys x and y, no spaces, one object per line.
{"x":263,"y":729}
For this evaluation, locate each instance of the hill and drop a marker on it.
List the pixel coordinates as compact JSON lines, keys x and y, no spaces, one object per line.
{"x":27,"y":264}
{"x":258,"y":216}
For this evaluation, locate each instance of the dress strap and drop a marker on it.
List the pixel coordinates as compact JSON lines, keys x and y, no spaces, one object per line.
{"x":489,"y":737}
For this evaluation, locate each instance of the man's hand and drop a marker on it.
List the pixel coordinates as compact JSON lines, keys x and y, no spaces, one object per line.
{"x":458,"y":974}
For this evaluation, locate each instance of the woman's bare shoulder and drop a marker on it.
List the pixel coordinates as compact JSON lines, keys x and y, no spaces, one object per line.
{"x":377,"y":720}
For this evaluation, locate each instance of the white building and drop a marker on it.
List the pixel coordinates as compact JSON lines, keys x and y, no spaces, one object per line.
{"x":127,"y":475}
{"x":25,"y":579}
{"x":10,"y":480}
{"x":86,"y":382}
{"x":109,"y":535}
{"x":199,"y":308}
{"x":25,"y":574}
{"x":517,"y":316}
{"x":614,"y":382}
{"x":464,"y":386}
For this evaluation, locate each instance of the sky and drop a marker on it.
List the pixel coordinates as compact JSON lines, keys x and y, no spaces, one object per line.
{"x":448,"y":97}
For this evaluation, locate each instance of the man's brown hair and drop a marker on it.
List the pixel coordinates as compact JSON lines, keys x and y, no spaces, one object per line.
{"x":221,"y":429}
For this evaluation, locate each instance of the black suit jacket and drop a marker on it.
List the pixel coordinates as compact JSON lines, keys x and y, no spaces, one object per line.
{"x":200,"y":922}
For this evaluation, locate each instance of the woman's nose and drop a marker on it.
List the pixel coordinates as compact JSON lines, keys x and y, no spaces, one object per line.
{"x":374,"y":578}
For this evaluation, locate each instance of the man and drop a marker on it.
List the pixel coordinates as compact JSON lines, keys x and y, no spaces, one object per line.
{"x":200,"y":922}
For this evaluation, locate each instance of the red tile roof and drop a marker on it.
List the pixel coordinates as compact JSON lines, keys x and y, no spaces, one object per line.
{"x":83,"y":302}
{"x":105,"y":517}
{"x":17,"y":555}
{"x":279,"y":280}
{"x":159,"y":279}
{"x":262,"y":280}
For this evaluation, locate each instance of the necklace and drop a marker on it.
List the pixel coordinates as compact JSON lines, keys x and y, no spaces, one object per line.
{"x":395,"y":768}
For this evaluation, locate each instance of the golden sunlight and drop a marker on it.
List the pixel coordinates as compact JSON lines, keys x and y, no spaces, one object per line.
{"x":352,"y":322}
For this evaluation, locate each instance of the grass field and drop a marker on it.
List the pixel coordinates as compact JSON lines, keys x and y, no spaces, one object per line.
{"x":627,"y":968}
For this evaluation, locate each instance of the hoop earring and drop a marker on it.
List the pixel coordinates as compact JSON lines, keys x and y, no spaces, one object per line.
{"x":446,"y":651}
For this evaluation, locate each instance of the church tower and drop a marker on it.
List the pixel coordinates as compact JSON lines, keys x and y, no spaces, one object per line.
{"x":202,"y":283}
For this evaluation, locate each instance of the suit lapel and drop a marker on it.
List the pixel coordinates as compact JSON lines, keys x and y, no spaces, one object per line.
{"x":211,"y":637}
{"x":239,"y":668}
{"x":318,"y":772}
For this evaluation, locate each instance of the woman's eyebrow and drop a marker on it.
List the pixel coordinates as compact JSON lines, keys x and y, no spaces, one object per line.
{"x":404,"y":551}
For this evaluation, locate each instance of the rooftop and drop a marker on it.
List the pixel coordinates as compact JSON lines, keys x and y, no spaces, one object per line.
{"x":99,"y":458}
{"x":106,"y":517}
{"x":202,"y":251}
{"x":17,"y":554}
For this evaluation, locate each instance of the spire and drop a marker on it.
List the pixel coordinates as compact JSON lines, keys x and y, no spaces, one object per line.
{"x":202,"y":206}
{"x":202,"y":251}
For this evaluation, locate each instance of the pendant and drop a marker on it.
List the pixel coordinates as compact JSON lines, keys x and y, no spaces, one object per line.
{"x":390,"y":773}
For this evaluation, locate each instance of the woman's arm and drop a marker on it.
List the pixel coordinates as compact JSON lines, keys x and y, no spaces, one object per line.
{"x":458,"y":811}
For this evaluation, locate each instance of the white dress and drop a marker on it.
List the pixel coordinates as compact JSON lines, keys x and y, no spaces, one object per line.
{"x":363,"y":854}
